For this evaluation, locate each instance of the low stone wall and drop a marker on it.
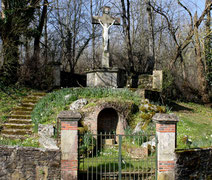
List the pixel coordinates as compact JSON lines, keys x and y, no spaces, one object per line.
{"x":145,"y":81}
{"x":29,"y":163}
{"x":151,"y":82}
{"x":194,"y":164}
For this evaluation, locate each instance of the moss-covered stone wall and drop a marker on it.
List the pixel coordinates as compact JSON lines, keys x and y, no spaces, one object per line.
{"x":194,"y":164}
{"x":29,"y":163}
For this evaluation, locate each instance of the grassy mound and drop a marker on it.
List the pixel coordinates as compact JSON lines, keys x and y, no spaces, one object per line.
{"x":50,"y":106}
{"x":194,"y":128}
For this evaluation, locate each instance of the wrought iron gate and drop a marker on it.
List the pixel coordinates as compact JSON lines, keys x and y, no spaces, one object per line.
{"x":111,"y":156}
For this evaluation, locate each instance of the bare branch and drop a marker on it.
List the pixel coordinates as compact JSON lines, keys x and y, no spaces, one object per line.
{"x":170,"y":27}
{"x":189,"y":12}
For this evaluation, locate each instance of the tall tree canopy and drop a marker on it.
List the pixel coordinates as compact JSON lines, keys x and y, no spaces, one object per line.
{"x":15,"y":19}
{"x":155,"y":34}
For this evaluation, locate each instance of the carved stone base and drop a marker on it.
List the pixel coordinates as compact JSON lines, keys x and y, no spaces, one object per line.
{"x":107,"y":77}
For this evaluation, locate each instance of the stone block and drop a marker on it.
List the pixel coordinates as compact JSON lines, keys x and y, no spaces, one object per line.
{"x":29,"y":163}
{"x":109,"y":142}
{"x":145,"y":81}
{"x":157,"y":80}
{"x":69,"y":116}
{"x":106,"y":77}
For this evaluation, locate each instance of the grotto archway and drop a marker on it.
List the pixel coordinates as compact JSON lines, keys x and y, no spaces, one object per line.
{"x":107,"y":121}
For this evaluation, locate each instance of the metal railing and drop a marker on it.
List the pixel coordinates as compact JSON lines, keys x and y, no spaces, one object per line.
{"x":111,"y":156}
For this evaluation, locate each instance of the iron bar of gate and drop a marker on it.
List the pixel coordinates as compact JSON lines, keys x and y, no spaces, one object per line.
{"x":105,"y":161}
{"x":109,"y":161}
{"x":92,"y":156}
{"x":129,"y":167}
{"x":120,"y":158}
{"x":156,"y":159}
{"x":96,"y":154}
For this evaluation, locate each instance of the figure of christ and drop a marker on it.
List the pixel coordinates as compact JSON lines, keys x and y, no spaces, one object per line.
{"x":106,"y":28}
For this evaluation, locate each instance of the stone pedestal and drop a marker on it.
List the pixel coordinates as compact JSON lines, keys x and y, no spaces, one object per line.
{"x":56,"y":73}
{"x":166,"y":136}
{"x":105,"y":59}
{"x":69,"y":144}
{"x":106,"y":77}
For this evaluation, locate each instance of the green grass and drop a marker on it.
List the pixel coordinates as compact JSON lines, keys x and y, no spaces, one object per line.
{"x":195,"y":126}
{"x":195,"y":120}
{"x":48,"y":108}
{"x":46,"y":111}
{"x":28,"y":142}
{"x":102,"y":158}
{"x":10,"y":97}
{"x":108,"y":158}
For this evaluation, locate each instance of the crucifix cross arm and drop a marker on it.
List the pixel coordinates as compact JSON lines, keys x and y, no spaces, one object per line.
{"x":95,"y":20}
{"x":105,"y":24}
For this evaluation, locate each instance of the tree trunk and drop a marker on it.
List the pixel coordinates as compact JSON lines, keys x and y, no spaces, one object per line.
{"x":93,"y":37}
{"x":46,"y":41}
{"x":151,"y":35}
{"x":74,"y":38}
{"x":201,"y":75}
{"x":40,"y":30}
{"x":11,"y":56}
{"x":208,"y":50}
{"x":8,"y":71}
{"x":126,"y":26}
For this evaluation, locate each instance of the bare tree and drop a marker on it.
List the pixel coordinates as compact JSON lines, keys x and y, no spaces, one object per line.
{"x":183,"y":44}
{"x":39,"y":32}
{"x":72,"y":28}
{"x":151,"y":36}
{"x":208,"y":48}
{"x":126,"y":31}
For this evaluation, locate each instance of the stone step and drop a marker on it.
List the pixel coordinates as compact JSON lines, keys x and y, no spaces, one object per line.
{"x":16,"y":132}
{"x":17,"y":126}
{"x":31,"y":97}
{"x":39,"y":94}
{"x":11,"y":136}
{"x":26,"y":101}
{"x":20,"y":116}
{"x":20,"y":121}
{"x":21,"y":113}
{"x":23,"y":109}
{"x":27,"y":105}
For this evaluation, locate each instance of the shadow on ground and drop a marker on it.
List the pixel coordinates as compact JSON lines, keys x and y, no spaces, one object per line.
{"x":176,"y":107}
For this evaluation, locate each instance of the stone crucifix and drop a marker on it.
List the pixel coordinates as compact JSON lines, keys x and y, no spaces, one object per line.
{"x":106,"y":21}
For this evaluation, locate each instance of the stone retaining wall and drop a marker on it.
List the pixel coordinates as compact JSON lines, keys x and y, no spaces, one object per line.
{"x":29,"y":163}
{"x":194,"y":164}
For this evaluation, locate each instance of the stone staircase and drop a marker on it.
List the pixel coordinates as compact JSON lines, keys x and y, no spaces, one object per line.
{"x":19,"y":123}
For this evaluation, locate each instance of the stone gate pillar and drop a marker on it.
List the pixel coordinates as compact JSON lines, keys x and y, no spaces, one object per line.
{"x":69,"y":144}
{"x":166,"y":136}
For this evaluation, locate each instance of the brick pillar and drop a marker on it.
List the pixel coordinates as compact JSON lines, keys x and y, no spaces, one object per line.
{"x":166,"y":136}
{"x":69,"y":144}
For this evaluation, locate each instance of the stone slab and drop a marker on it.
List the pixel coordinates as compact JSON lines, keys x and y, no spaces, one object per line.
{"x":69,"y":116}
{"x":106,"y":77}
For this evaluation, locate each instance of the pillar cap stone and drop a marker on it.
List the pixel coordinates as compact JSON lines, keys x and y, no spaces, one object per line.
{"x":69,"y":116}
{"x":165,"y":118}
